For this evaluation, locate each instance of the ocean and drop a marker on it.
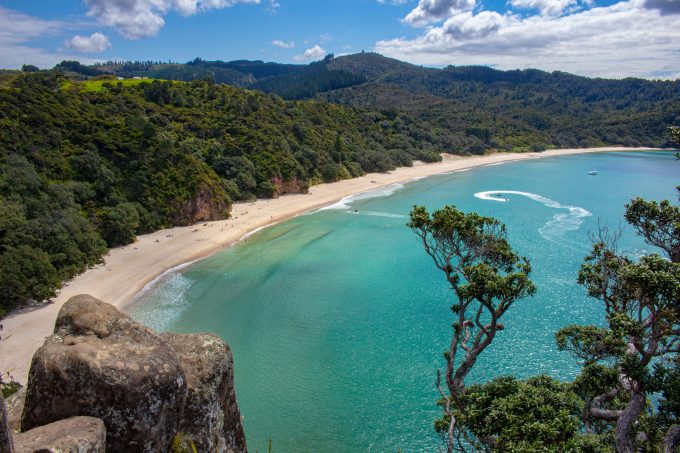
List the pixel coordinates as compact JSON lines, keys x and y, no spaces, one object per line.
{"x":338,"y":319}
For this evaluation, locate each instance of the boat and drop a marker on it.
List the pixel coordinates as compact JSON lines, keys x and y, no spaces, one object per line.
{"x":592,"y":172}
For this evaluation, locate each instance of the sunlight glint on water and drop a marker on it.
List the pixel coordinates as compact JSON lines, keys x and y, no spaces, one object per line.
{"x":338,"y":319}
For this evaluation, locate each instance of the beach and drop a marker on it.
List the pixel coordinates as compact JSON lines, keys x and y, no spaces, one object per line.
{"x":128,"y":270}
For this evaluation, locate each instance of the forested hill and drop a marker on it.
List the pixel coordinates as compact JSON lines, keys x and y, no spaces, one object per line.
{"x":86,"y":165}
{"x":481,"y":108}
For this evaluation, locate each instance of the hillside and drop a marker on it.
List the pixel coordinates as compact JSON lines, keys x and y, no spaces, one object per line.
{"x":88,"y":165}
{"x":480,"y":108}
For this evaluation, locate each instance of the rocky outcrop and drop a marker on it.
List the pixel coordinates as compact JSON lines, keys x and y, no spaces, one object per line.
{"x":15,"y":406}
{"x":291,"y":186}
{"x":145,"y":387}
{"x":209,"y":203}
{"x":101,"y":363}
{"x":73,"y":435}
{"x":5,"y":431}
{"x":211,"y":419}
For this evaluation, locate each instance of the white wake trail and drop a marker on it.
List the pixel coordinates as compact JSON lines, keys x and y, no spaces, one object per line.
{"x":555,"y":227}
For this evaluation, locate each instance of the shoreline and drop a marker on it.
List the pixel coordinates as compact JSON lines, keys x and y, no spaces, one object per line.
{"x":130,"y":270}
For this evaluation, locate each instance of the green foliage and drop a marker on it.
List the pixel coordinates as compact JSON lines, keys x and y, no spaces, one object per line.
{"x":536,"y":415}
{"x":467,"y":109}
{"x":590,"y":344}
{"x":657,"y":223}
{"x":26,"y":274}
{"x":607,"y":406}
{"x":675,"y":133}
{"x":99,"y":161}
{"x":118,"y":224}
{"x":29,"y":68}
{"x":488,"y":277}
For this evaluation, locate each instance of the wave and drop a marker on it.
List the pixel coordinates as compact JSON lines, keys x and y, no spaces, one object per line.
{"x":167,"y":303}
{"x":375,"y":193}
{"x":555,"y":227}
{"x":494,"y":164}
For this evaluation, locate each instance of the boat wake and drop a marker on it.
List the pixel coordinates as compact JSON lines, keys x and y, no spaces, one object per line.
{"x":555,"y":228}
{"x":378,"y":214}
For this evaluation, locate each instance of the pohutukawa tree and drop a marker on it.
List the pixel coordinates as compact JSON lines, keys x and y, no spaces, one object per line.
{"x":642,"y":305}
{"x":487,"y":277}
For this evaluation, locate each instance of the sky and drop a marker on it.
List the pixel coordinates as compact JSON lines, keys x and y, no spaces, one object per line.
{"x":597,"y":38}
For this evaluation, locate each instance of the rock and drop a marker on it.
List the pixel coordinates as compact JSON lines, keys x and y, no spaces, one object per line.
{"x":211,"y":420}
{"x":5,"y":431}
{"x":73,"y":435}
{"x":15,"y":407}
{"x":100,"y":363}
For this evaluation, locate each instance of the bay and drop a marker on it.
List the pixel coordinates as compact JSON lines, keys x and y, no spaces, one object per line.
{"x":338,"y":319}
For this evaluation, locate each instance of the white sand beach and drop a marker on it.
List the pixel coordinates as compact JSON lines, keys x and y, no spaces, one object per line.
{"x":128,"y":269}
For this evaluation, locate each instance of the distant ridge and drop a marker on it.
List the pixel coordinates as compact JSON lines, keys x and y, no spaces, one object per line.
{"x":483,"y":107}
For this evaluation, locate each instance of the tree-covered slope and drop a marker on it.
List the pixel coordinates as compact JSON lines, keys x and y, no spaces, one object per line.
{"x":522,"y":108}
{"x":86,"y":165}
{"x":480,"y":108}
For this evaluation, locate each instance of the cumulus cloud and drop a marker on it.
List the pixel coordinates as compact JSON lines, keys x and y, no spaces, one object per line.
{"x":432,"y":11}
{"x":96,"y":42}
{"x":468,"y":26}
{"x":283,"y":44}
{"x":314,"y":53}
{"x":136,"y":19}
{"x":620,"y":40}
{"x":664,"y":6}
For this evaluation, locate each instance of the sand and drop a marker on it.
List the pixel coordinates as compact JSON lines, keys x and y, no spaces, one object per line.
{"x":127,"y":270}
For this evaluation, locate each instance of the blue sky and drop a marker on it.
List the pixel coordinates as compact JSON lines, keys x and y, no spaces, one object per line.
{"x":589,"y":37}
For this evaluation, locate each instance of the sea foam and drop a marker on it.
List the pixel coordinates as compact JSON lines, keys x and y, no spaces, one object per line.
{"x":170,"y":293}
{"x":375,"y":193}
{"x":555,"y":227}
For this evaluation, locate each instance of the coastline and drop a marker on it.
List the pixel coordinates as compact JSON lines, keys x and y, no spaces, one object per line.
{"x":130,"y":269}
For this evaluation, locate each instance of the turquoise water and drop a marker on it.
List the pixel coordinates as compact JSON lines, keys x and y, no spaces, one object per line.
{"x":338,"y":319}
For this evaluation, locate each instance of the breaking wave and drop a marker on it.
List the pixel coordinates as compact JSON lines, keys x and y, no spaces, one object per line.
{"x":375,"y":193}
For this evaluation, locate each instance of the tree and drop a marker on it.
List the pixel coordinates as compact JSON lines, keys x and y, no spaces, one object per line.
{"x":487,"y":277}
{"x":29,"y":68}
{"x":26,"y":274}
{"x":119,"y":224}
{"x":642,"y":306}
{"x":634,"y":356}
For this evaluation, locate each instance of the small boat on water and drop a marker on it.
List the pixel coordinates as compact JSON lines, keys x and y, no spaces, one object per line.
{"x":592,"y":173}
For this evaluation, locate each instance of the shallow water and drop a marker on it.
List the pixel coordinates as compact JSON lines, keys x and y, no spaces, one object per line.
{"x":338,"y":318}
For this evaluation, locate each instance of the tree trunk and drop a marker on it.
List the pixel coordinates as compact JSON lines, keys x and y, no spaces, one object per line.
{"x":672,"y":440}
{"x":625,"y":426}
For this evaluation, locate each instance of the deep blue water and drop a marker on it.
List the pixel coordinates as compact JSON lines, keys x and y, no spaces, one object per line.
{"x":338,"y":318}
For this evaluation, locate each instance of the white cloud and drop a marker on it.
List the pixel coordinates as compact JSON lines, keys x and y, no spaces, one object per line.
{"x":468,"y":26}
{"x":283,"y":44}
{"x":18,"y":30}
{"x":545,"y":7}
{"x":432,"y":11}
{"x":624,"y":39}
{"x":136,"y":19}
{"x":315,"y":53}
{"x":96,"y":42}
{"x":326,"y":37}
